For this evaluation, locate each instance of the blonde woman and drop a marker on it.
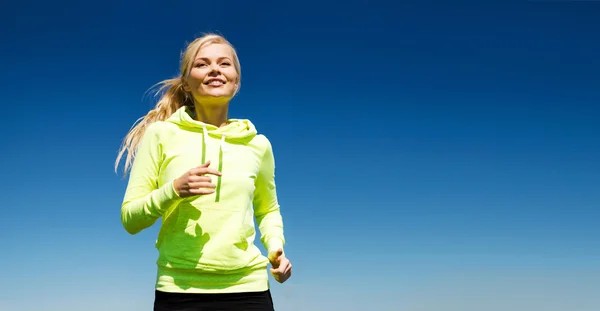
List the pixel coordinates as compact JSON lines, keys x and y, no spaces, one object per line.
{"x":209,"y":178}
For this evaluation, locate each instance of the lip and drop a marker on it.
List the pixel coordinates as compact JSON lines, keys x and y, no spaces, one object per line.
{"x":209,"y":81}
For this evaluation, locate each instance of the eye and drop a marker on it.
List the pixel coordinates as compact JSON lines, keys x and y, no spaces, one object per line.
{"x":199,"y":65}
{"x":225,"y":64}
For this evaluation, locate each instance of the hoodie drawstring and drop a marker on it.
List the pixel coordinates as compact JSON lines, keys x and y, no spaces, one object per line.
{"x":205,"y":134}
{"x":221,"y":149}
{"x":220,"y":168}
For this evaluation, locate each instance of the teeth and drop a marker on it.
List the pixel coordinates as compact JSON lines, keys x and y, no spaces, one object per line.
{"x":216,"y":82}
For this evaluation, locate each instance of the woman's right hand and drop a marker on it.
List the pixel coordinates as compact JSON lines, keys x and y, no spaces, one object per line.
{"x":195,"y":181}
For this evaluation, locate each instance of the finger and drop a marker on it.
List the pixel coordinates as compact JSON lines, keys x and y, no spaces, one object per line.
{"x":209,"y":170}
{"x":287,"y":276}
{"x":202,"y":188}
{"x":284,"y":267}
{"x":276,"y":275}
{"x":204,"y":170}
{"x":202,"y":191}
{"x":280,"y":277}
{"x":199,"y":178}
{"x":200,"y":167}
{"x":201,"y":184}
{"x":288,"y":270}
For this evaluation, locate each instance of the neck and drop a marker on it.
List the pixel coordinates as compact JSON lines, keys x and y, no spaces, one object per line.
{"x":214,"y":115}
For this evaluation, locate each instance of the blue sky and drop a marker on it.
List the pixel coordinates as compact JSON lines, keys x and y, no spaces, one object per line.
{"x":430,"y":157}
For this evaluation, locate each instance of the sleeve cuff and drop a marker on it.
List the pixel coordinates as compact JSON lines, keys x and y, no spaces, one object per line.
{"x":274,"y":244}
{"x":165,"y":198}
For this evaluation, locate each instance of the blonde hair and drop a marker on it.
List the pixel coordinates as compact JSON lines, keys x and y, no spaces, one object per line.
{"x":173,"y":96}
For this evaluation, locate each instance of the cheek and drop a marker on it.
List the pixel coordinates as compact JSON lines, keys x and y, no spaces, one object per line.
{"x":196,"y":86}
{"x":195,"y":78}
{"x":232,"y":76}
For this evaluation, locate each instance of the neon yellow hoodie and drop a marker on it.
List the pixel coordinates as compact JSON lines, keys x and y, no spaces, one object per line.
{"x":206,"y":242}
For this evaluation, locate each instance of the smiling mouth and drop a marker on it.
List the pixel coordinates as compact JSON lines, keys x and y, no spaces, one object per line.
{"x":215,"y":82}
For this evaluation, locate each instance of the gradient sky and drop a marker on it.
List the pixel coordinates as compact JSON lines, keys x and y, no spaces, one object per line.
{"x":430,"y":157}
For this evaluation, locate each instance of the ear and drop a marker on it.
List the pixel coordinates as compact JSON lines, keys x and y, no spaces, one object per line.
{"x":185,"y":86}
{"x":237,"y":84}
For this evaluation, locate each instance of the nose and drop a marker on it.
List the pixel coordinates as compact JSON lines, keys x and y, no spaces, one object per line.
{"x":214,"y":68}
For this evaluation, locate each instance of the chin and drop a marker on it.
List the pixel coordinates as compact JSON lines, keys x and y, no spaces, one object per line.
{"x":217,"y":92}
{"x":214,"y":98}
{"x":223,"y":95}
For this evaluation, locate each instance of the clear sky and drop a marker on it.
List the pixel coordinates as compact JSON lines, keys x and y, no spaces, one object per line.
{"x":430,"y":157}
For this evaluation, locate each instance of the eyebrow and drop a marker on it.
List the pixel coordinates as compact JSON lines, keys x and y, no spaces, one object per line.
{"x":206,"y":59}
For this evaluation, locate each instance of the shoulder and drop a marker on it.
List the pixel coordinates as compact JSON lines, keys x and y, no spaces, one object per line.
{"x":154,"y":128}
{"x":263,"y":142}
{"x":265,"y":148}
{"x":159,"y":129}
{"x":261,"y":139}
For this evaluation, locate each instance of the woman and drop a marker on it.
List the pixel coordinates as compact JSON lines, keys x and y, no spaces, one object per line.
{"x":207,"y":177}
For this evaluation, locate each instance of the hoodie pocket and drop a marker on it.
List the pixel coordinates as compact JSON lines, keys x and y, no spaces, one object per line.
{"x":211,"y":239}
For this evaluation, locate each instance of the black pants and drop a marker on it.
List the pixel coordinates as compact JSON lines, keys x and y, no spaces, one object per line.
{"x":251,"y":301}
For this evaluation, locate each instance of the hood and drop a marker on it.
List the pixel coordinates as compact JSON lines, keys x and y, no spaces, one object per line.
{"x":235,"y":130}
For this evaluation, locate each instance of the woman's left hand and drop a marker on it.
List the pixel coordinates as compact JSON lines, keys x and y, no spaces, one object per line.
{"x":281,"y":266}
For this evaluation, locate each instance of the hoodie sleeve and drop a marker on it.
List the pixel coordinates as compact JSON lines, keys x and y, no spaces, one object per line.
{"x":266,"y":206}
{"x":144,"y":201}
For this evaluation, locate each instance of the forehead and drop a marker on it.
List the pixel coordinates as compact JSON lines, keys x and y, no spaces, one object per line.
{"x":215,"y":50}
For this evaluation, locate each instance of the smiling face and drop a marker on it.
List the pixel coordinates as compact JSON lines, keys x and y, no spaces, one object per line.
{"x":213,"y":77}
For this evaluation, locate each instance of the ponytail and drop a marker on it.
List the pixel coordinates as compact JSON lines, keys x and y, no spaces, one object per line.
{"x":173,"y":97}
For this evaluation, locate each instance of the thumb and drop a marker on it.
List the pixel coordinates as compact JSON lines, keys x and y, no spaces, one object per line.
{"x":274,"y":258}
{"x":206,"y":164}
{"x":277,"y":253}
